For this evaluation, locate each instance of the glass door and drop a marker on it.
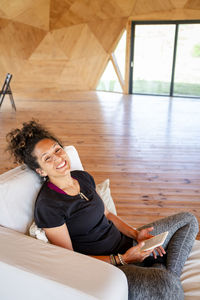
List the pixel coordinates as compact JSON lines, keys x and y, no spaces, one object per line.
{"x":165,"y":58}
{"x":153,"y":59}
{"x":187,"y":71}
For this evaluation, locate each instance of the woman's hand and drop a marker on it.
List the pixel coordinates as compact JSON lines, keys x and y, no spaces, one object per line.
{"x":135,"y":254}
{"x":143,"y":235}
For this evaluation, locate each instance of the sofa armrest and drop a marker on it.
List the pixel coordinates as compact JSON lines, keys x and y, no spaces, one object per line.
{"x":32,"y":269}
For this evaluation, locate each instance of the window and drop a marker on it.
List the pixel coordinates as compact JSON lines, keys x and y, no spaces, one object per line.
{"x":165,"y":58}
{"x":112,"y":79}
{"x":109,"y":81}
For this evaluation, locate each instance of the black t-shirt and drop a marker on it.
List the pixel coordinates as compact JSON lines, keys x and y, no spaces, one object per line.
{"x":90,"y":231}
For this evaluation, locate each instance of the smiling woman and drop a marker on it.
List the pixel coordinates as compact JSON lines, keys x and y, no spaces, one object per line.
{"x":74,"y":217}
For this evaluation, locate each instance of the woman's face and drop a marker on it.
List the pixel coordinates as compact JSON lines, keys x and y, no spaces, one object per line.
{"x":52,"y":158}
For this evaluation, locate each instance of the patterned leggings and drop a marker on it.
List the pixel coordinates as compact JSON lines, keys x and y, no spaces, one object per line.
{"x":156,"y":279}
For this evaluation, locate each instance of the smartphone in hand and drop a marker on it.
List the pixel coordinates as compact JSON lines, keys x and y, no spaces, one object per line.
{"x":155,"y":241}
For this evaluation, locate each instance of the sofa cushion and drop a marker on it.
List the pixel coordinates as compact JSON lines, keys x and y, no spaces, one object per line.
{"x":103,"y":189}
{"x":190,"y":277}
{"x":18,"y":190}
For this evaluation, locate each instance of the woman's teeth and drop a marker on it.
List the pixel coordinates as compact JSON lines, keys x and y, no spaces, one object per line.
{"x":61,"y":165}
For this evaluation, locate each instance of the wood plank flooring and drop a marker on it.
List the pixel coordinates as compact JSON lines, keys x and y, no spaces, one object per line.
{"x":149,"y":147}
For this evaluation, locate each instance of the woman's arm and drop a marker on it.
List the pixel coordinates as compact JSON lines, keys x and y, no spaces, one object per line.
{"x":59,"y":236}
{"x":126,"y":229}
{"x":121,"y":225}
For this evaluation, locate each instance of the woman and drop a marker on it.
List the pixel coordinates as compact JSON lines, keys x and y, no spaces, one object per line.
{"x":73,"y":216}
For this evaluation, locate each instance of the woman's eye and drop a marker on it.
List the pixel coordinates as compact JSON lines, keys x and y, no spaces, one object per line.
{"x":57,"y":150}
{"x":47,"y":158}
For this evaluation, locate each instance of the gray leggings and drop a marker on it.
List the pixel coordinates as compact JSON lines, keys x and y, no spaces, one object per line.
{"x":156,"y":279}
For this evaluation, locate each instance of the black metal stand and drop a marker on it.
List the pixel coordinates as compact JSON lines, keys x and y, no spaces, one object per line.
{"x":6,"y":90}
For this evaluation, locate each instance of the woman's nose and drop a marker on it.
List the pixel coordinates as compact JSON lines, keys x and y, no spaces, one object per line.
{"x":56,"y":157}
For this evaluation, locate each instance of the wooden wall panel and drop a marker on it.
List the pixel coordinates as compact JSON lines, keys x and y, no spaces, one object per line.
{"x":179,"y":3}
{"x":149,"y":6}
{"x":175,"y":14}
{"x":43,"y":75}
{"x":77,"y":42}
{"x":48,"y":49}
{"x":112,"y":28}
{"x":17,"y":42}
{"x":193,"y":4}
{"x":65,"y":45}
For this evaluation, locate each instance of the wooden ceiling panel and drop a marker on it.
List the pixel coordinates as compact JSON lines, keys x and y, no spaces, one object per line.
{"x":86,"y":10}
{"x":124,"y":7}
{"x":19,"y":40}
{"x":36,"y":15}
{"x":193,"y":4}
{"x":57,"y":9}
{"x":48,"y":50}
{"x":2,"y":14}
{"x":179,"y":3}
{"x":3,"y":23}
{"x":14,"y":8}
{"x":96,"y":10}
{"x":149,"y":6}
{"x":112,"y":28}
{"x":68,"y":18}
{"x":110,"y":9}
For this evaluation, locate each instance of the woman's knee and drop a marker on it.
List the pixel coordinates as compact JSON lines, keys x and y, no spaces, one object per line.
{"x":170,"y":285}
{"x":187,"y":218}
{"x":152,"y":283}
{"x":190,"y":218}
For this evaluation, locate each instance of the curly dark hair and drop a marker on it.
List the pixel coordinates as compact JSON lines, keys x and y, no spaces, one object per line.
{"x":21,"y":142}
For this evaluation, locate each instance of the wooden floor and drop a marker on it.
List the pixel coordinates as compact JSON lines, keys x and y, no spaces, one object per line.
{"x":149,"y":147}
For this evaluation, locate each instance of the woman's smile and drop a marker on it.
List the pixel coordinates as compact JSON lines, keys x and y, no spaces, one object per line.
{"x":63,"y":164}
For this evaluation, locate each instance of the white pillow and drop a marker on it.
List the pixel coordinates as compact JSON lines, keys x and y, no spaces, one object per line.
{"x":18,"y":190}
{"x":103,"y":189}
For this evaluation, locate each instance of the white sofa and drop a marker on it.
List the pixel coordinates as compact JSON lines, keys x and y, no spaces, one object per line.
{"x":32,"y":269}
